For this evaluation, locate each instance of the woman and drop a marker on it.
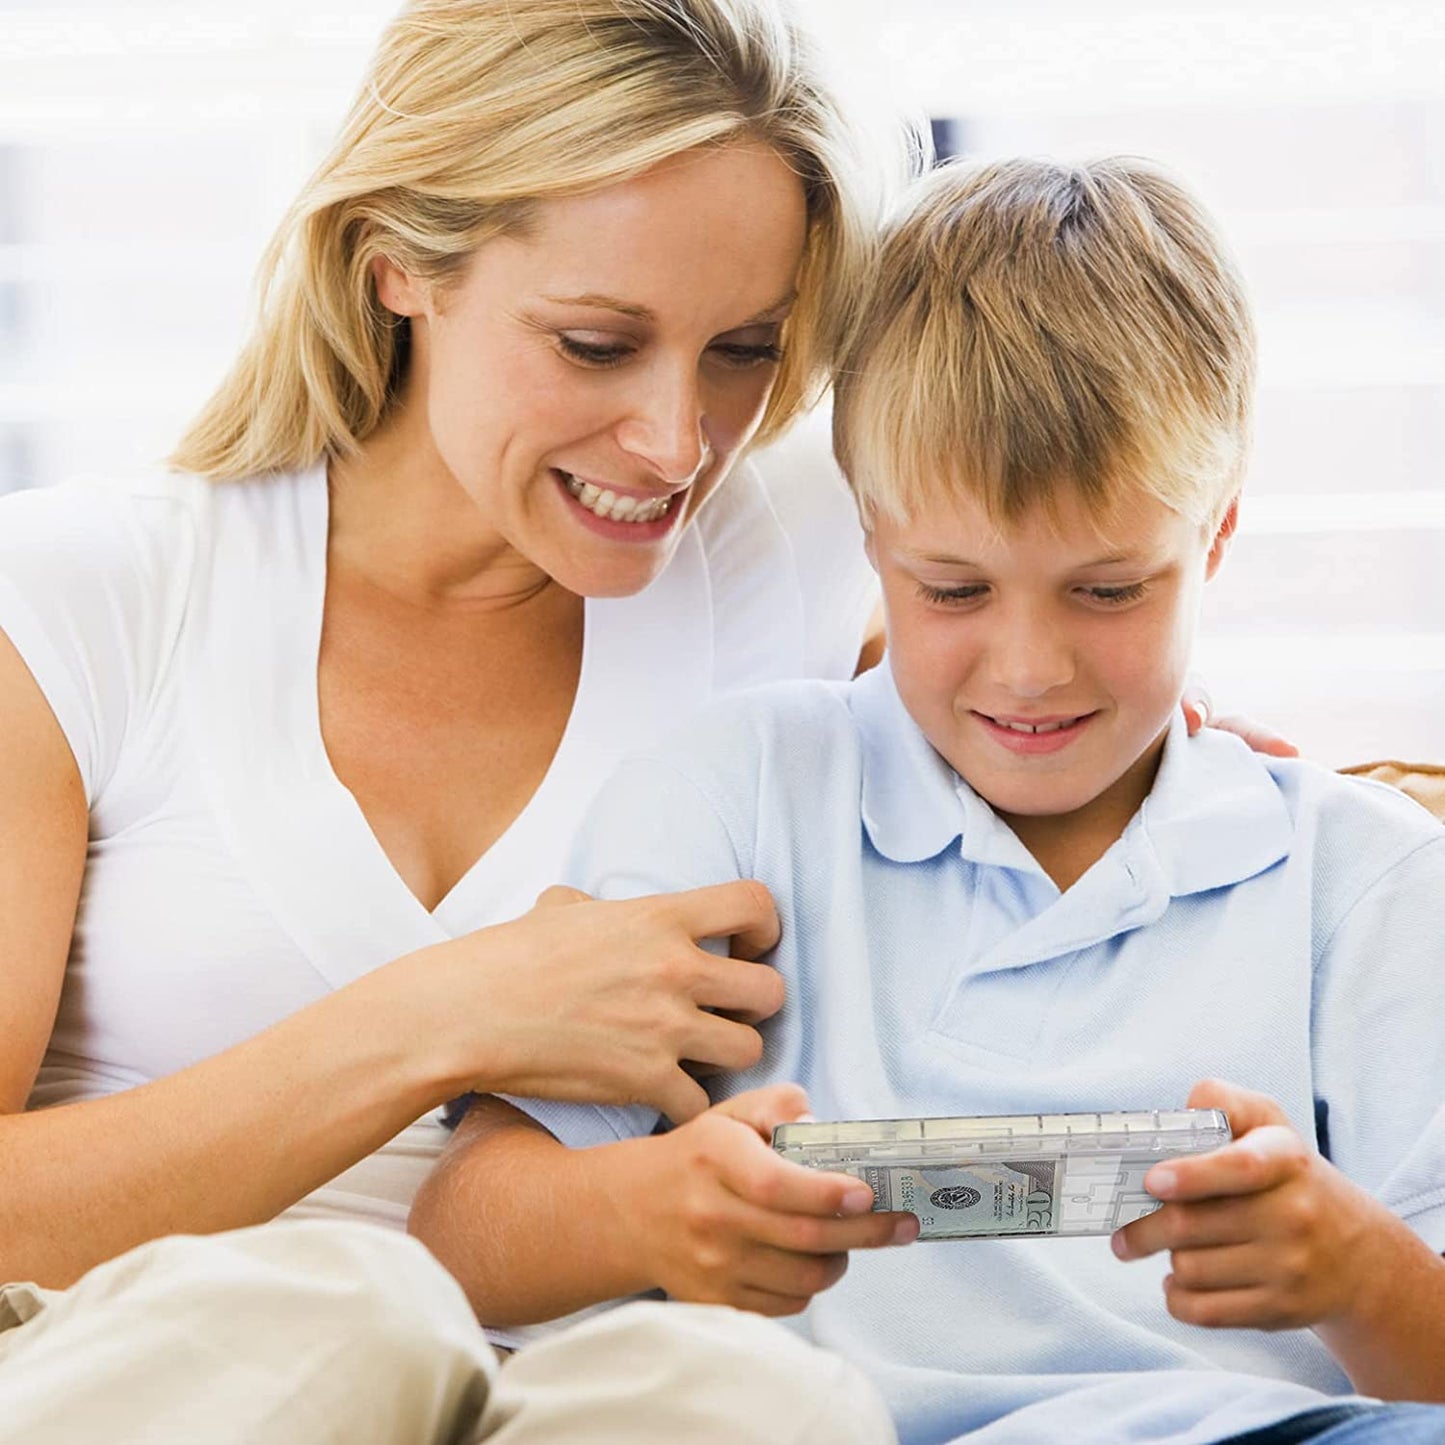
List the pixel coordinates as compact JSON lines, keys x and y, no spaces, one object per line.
{"x":292,"y":731}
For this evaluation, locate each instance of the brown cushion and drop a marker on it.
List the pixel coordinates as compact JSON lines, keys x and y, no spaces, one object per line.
{"x":1425,"y":782}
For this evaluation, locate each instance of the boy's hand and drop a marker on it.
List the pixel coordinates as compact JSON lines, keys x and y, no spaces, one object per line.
{"x":726,"y":1220}
{"x":1263,"y":1233}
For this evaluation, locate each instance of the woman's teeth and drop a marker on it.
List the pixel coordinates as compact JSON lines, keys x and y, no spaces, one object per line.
{"x":604,"y":503}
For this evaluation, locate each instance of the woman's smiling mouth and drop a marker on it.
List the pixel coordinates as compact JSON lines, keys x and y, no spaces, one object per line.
{"x":618,"y":513}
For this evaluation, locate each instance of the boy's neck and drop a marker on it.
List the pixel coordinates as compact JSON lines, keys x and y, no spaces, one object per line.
{"x":1067,"y":845}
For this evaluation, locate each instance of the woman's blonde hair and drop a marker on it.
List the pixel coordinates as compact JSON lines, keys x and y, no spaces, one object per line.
{"x":471,"y":111}
{"x":1035,"y":327}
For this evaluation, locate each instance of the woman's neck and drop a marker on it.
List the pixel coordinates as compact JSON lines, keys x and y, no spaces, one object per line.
{"x":401,"y":521}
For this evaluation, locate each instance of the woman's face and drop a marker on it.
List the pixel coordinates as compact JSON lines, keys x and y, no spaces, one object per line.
{"x":589,"y":381}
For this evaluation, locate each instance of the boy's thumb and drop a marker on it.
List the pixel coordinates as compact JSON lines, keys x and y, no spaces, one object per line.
{"x":1245,"y":1109}
{"x":559,"y":895}
{"x":763,"y":1109}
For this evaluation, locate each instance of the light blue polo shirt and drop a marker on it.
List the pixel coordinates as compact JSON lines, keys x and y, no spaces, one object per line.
{"x":1262,"y":921}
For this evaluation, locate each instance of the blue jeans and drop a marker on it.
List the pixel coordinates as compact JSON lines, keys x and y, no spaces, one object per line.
{"x":1353,"y":1425}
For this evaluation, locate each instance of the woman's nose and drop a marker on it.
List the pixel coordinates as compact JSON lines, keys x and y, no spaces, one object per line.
{"x":667,"y":429}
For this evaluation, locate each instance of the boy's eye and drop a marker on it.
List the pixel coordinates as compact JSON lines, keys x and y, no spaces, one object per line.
{"x":591,"y":353}
{"x":1116,"y":596}
{"x":952,"y":596}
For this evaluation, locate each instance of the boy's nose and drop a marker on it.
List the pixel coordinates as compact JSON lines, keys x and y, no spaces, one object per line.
{"x":1030,"y":662}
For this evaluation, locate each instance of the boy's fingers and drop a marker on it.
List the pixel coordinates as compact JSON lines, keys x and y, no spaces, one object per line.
{"x":742,"y":910}
{"x":792,"y":1275}
{"x":1222,"y":1266}
{"x":1265,"y":1157}
{"x":812,"y":1234}
{"x":1208,"y":1225}
{"x":770,"y":1182}
{"x":1224,"y":1308}
{"x":559,"y":895}
{"x":1245,"y":1108}
{"x":766,"y":1302}
{"x":764,"y":1109}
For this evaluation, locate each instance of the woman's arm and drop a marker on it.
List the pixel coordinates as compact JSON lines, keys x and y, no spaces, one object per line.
{"x":579,"y":1000}
{"x":533,"y":1230}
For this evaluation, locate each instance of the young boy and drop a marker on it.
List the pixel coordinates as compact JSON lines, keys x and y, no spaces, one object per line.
{"x":1008,"y":883}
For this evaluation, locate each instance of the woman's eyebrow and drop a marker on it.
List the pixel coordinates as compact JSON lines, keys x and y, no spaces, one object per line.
{"x":774,"y":312}
{"x":599,"y":302}
{"x":604,"y":303}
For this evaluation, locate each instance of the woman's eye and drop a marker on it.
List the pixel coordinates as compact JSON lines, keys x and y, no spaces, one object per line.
{"x":1116,"y":596}
{"x":744,"y":357}
{"x":951,"y":596}
{"x":591,"y":353}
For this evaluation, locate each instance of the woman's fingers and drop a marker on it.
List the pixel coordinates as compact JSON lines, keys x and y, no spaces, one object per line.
{"x":719,"y":1044}
{"x":1196,"y":704}
{"x":1199,"y":712}
{"x":1260,"y":738}
{"x":750,"y":992}
{"x":678,"y":1097}
{"x":741,"y":910}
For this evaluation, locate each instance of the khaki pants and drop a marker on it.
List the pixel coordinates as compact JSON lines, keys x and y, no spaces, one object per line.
{"x":302,"y":1333}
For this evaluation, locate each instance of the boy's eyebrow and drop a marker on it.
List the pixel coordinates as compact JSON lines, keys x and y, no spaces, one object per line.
{"x":598,"y":302}
{"x":947,"y":559}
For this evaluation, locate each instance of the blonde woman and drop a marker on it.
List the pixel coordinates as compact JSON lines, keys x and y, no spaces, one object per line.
{"x":292,"y":731}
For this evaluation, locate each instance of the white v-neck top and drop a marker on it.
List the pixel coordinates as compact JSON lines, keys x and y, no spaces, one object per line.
{"x":231,"y":878}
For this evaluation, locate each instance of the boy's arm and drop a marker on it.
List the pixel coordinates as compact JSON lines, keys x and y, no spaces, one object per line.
{"x":1267,"y":1234}
{"x":533,"y":1230}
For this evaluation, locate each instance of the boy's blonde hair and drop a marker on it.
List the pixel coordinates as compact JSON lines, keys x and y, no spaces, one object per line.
{"x":1035,"y":327}
{"x":471,"y":111}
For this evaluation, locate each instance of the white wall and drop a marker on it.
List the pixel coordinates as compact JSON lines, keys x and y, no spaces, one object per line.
{"x":146,"y":151}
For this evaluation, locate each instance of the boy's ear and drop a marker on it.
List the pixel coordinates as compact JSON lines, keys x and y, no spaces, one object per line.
{"x":1222,"y":536}
{"x":399,"y":291}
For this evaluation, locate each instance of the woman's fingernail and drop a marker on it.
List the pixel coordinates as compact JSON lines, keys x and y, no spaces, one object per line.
{"x":857,"y":1201}
{"x":906,"y":1230}
{"x":1119,"y":1245}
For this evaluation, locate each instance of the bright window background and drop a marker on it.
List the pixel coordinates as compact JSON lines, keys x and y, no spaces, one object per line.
{"x":146,"y":151}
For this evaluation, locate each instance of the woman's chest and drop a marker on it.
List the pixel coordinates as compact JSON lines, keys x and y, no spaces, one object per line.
{"x":444,"y":732}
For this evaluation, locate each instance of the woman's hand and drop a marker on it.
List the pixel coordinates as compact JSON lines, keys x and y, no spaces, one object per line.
{"x":603,"y":1002}
{"x":719,"y":1218}
{"x":1199,"y":713}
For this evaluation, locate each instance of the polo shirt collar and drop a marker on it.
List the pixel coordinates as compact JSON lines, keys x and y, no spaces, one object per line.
{"x":914,"y":805}
{"x":1214,"y":817}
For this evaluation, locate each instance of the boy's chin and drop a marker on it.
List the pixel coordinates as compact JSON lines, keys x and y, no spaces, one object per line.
{"x":1039,"y":802}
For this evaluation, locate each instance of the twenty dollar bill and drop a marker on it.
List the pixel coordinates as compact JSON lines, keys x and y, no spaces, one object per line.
{"x":973,"y":1201}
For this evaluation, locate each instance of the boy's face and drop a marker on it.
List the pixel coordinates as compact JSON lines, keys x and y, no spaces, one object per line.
{"x":1079,"y":632}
